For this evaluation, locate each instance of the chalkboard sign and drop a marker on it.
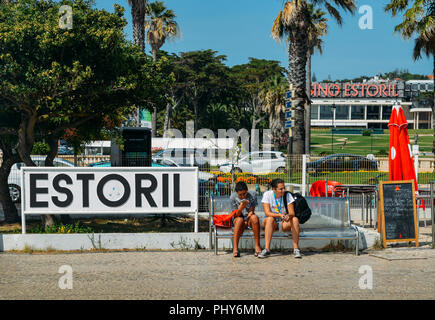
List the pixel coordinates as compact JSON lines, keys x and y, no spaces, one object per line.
{"x":398,"y":211}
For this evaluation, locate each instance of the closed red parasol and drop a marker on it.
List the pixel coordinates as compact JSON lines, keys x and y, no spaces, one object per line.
{"x":401,"y":164}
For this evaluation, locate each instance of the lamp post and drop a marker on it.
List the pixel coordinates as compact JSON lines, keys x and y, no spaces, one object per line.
{"x":332,"y":129}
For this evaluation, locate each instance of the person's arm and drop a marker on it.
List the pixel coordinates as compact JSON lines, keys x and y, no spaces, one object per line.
{"x":269,"y":213}
{"x":241,"y":207}
{"x":250,"y":213}
{"x":291,"y":210}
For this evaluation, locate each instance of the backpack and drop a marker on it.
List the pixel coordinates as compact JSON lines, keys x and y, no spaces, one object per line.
{"x":302,"y":209}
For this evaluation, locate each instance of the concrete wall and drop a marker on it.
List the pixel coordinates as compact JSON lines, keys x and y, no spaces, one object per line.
{"x":150,"y":241}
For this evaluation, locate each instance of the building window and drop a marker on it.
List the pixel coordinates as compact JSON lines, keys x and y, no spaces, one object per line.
{"x":357,"y":112}
{"x":373,"y":113}
{"x":386,"y":112}
{"x":325,"y":112}
{"x":342,"y":112}
{"x":315,"y":112}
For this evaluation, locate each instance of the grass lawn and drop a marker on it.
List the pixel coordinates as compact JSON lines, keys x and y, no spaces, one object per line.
{"x":376,"y":144}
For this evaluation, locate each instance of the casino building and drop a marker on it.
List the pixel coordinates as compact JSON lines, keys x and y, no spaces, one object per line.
{"x":369,"y":104}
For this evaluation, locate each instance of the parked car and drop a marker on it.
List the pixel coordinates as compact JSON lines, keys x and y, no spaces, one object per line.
{"x":207,"y":181}
{"x":65,"y":150}
{"x":14,"y":180}
{"x":342,"y":162}
{"x":258,"y":162}
{"x":185,"y":157}
{"x":160,"y":163}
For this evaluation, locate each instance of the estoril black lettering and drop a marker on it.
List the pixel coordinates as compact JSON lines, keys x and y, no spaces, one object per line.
{"x":145,"y":191}
{"x":85,"y":178}
{"x":58,"y":188}
{"x":177,"y":202}
{"x":78,"y":190}
{"x":34,"y":191}
{"x":103,"y":198}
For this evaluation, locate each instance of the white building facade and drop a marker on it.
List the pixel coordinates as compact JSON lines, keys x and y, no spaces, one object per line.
{"x":367,"y":104}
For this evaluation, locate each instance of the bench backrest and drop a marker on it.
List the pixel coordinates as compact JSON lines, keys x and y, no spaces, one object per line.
{"x":325,"y":212}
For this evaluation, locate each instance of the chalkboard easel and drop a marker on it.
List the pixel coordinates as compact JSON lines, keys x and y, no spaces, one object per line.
{"x":398,"y":215}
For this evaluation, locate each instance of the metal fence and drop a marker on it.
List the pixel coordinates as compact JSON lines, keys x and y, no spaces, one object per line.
{"x":346,"y":171}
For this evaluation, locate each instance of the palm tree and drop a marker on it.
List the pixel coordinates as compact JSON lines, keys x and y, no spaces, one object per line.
{"x":138,"y":9}
{"x":161,"y":25}
{"x":418,"y":21}
{"x":293,"y":23}
{"x":274,"y":106}
{"x":317,"y":28}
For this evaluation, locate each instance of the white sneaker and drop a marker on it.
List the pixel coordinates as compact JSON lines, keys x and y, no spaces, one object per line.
{"x":264,"y":254}
{"x":297,"y":253}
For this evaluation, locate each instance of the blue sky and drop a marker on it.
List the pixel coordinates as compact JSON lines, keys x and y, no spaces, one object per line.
{"x":240,"y":29}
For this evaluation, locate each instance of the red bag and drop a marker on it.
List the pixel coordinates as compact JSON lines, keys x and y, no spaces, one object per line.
{"x":223,"y":220}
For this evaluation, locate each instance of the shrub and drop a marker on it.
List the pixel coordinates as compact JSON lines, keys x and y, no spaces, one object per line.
{"x":77,"y":227}
{"x":367,"y":133}
{"x":40,"y":148}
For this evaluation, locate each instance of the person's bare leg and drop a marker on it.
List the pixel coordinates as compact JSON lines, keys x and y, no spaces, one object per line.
{"x":269,"y":226}
{"x":239,"y":227}
{"x":254,"y":223}
{"x":295,"y":232}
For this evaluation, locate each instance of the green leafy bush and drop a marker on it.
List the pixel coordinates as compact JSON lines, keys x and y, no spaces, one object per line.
{"x":40,"y":148}
{"x":382,"y":152}
{"x":77,"y":227}
{"x":367,"y":133}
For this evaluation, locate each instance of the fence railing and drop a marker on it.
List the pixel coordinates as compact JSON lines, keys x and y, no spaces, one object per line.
{"x":85,"y":160}
{"x":342,"y":170}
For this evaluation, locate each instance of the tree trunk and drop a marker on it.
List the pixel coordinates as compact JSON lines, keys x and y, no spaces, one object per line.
{"x":308,"y":107}
{"x":298,"y":60}
{"x":154,"y":54}
{"x":195,"y":123}
{"x":433,"y":108}
{"x":53,"y":143}
{"x":9,"y":209}
{"x":168,"y":115}
{"x":154,"y":122}
{"x":26,"y":139}
{"x":138,"y":15}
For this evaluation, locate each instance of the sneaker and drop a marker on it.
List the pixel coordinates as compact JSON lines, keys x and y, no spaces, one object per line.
{"x":297,"y":253}
{"x":264,"y":254}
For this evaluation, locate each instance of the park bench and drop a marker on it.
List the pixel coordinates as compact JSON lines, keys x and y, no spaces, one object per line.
{"x":330,"y":219}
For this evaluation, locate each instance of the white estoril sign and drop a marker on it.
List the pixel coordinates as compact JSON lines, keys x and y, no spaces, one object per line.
{"x":48,"y":190}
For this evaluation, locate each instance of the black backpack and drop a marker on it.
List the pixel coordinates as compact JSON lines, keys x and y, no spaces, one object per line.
{"x":302,"y":209}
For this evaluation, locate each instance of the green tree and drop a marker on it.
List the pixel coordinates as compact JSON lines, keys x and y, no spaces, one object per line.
{"x":54,"y":79}
{"x":419,"y":23}
{"x":254,"y":78}
{"x":292,"y":23}
{"x":206,"y":77}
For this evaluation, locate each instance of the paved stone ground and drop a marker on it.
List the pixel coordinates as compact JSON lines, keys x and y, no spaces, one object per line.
{"x":202,"y":275}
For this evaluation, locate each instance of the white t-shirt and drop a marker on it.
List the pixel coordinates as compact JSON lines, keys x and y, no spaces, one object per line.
{"x":269,"y":197}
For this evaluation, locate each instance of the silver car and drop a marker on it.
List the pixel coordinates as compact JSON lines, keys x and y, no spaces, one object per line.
{"x":14,"y":180}
{"x":258,"y":162}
